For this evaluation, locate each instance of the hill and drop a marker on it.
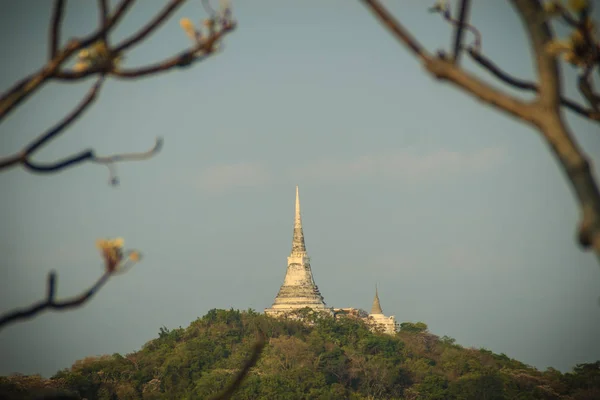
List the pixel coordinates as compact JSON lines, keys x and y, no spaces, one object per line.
{"x":325,"y":359}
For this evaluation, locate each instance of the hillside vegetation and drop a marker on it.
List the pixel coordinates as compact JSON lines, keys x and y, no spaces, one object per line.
{"x":326,"y":359}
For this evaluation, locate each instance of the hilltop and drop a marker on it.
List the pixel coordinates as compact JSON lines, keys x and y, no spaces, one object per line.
{"x":325,"y":359}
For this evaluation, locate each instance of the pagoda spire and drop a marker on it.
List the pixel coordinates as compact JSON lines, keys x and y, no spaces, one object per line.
{"x":376,"y":309}
{"x":298,"y":245}
{"x":299,"y":289}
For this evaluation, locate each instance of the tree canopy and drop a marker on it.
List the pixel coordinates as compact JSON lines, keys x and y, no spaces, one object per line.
{"x":324,"y":359}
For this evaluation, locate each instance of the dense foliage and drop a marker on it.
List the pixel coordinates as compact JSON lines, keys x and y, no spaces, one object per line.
{"x":324,"y":359}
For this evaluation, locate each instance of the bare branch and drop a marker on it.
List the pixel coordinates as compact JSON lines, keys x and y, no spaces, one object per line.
{"x":535,"y":22}
{"x":573,"y":160}
{"x":544,"y":113}
{"x":55,"y":130}
{"x":242,"y":373}
{"x":23,"y":89}
{"x":69,"y":119}
{"x":184,"y":59}
{"x":460,"y":25}
{"x":103,"y":11}
{"x":130,"y":156}
{"x":585,"y":87}
{"x":530,"y":86}
{"x":116,"y":261}
{"x":50,"y":303}
{"x":150,"y":27}
{"x":462,"y":18}
{"x":104,"y":65}
{"x":57,"y":15}
{"x":110,"y":23}
{"x":197,"y":53}
{"x":446,"y":70}
{"x":89,"y":155}
{"x":396,"y":28}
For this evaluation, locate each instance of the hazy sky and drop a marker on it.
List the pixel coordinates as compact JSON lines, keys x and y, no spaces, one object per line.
{"x":459,"y":214}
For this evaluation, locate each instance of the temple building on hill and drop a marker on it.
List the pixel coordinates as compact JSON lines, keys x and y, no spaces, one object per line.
{"x":299,"y":290}
{"x":380,"y":321}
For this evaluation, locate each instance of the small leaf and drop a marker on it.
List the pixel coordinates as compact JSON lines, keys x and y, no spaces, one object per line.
{"x":189,"y":28}
{"x":135,"y":256}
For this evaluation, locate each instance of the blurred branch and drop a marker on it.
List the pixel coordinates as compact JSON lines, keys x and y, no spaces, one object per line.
{"x":401,"y":33}
{"x":197,"y":53}
{"x":462,"y":18}
{"x":185,"y":59}
{"x":444,"y":69}
{"x":581,"y":48}
{"x":116,"y":261}
{"x":475,"y":52}
{"x":89,"y":155}
{"x":24,"y":157}
{"x":98,"y":58}
{"x":243,"y":372}
{"x":150,"y":27}
{"x":542,"y":114}
{"x":534,"y":20}
{"x":50,"y":303}
{"x":51,"y":133}
{"x":585,"y":87}
{"x":573,"y":160}
{"x":103,"y":11}
{"x":530,"y":86}
{"x":27,"y":86}
{"x":57,"y":15}
{"x":459,"y":24}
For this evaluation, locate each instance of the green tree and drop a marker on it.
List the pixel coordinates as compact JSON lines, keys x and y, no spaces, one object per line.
{"x":413,"y":327}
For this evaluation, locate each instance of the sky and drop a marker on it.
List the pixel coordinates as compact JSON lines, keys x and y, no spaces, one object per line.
{"x":459,"y":214}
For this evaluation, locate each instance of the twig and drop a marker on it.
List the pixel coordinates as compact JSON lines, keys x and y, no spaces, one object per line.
{"x":585,"y":88}
{"x":242,"y":373}
{"x":69,"y":161}
{"x":150,"y":26}
{"x":69,"y":119}
{"x":183,"y":59}
{"x":51,"y":133}
{"x":89,"y":155}
{"x":396,"y":28}
{"x":461,"y":24}
{"x":130,"y":156}
{"x":462,"y":18}
{"x":50,"y":303}
{"x":57,"y":14}
{"x":103,"y":11}
{"x":27,"y":86}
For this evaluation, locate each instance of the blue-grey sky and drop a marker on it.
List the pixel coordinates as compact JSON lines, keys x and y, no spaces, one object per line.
{"x":459,"y":213}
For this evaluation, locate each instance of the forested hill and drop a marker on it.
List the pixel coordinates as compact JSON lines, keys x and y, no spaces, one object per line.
{"x":338,"y":359}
